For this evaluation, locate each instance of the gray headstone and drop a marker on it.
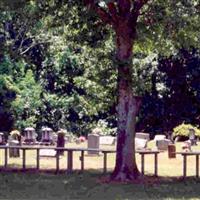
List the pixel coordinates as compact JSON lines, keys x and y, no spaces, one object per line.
{"x":142,"y":135}
{"x":1,"y":138}
{"x":163,"y":144}
{"x":93,"y":143}
{"x":47,"y":135}
{"x":13,"y":152}
{"x":30,"y":135}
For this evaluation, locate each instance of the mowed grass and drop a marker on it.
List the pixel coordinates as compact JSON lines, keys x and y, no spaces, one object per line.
{"x":92,"y":185}
{"x":89,"y":186}
{"x":166,"y":167}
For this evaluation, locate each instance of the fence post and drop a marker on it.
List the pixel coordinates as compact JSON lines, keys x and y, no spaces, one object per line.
{"x":70,"y":160}
{"x":6,"y":157}
{"x":142,"y":163}
{"x":105,"y":162}
{"x":38,"y":159}
{"x":184,"y":165}
{"x":82,"y":160}
{"x":197,"y":165}
{"x":156,"y":164}
{"x":24,"y":159}
{"x":57,"y":161}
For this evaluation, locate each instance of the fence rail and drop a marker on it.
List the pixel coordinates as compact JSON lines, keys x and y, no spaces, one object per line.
{"x":185,"y":155}
{"x":70,"y":156}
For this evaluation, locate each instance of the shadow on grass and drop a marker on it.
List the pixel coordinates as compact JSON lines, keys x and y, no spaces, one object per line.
{"x":92,"y":185}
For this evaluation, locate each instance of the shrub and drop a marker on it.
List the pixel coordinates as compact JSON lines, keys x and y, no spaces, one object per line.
{"x":183,"y":130}
{"x":103,"y":128}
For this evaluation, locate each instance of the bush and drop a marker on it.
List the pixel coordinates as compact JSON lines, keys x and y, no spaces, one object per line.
{"x":103,"y":127}
{"x":183,"y":130}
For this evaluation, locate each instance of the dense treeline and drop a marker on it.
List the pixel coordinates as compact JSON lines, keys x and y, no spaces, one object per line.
{"x":47,"y":72}
{"x":56,"y":70}
{"x":174,"y":95}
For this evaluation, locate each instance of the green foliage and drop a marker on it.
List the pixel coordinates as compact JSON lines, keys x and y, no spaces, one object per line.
{"x":170,"y":92}
{"x":7,"y":94}
{"x":104,"y":128}
{"x":70,"y":53}
{"x":27,"y":101}
{"x":183,"y":130}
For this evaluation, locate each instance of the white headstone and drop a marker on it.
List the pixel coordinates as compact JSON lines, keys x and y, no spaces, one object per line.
{"x":159,"y":137}
{"x":47,"y":152}
{"x":140,"y":143}
{"x":107,"y":140}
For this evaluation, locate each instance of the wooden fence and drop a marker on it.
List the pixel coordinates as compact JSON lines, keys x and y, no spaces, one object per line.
{"x":70,"y":156}
{"x":185,"y":155}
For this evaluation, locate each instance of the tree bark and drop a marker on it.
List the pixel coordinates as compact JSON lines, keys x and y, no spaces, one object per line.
{"x":127,"y":108}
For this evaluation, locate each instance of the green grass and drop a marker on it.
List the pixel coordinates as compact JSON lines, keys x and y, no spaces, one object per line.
{"x":89,"y":186}
{"x":166,"y":167}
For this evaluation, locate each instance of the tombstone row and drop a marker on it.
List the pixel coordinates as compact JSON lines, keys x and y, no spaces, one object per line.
{"x":48,"y":137}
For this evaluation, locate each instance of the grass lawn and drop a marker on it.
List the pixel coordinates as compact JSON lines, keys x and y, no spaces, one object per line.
{"x":166,"y":167}
{"x":89,"y":185}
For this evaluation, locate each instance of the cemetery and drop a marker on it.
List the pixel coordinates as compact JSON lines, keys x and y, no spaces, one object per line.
{"x":90,"y":161}
{"x":53,"y":153}
{"x":99,"y":99}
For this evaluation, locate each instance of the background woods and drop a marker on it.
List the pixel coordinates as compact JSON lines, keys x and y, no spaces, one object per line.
{"x":57,"y":70}
{"x":69,"y":64}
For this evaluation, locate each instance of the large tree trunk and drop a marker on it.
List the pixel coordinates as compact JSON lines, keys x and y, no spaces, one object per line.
{"x":128,"y":105}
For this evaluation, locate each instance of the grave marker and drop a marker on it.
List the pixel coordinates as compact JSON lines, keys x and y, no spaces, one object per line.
{"x":93,"y":143}
{"x":107,"y":140}
{"x":141,"y":135}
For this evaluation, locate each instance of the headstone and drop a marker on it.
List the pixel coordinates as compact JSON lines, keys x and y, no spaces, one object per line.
{"x":61,"y":141}
{"x":163,"y":144}
{"x":47,"y":136}
{"x":30,"y":135}
{"x":159,"y":137}
{"x":47,"y":152}
{"x":2,"y":139}
{"x":14,"y":140}
{"x":142,"y":135}
{"x":13,"y":152}
{"x":171,"y":151}
{"x":140,"y":143}
{"x":107,"y":140}
{"x":93,"y":143}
